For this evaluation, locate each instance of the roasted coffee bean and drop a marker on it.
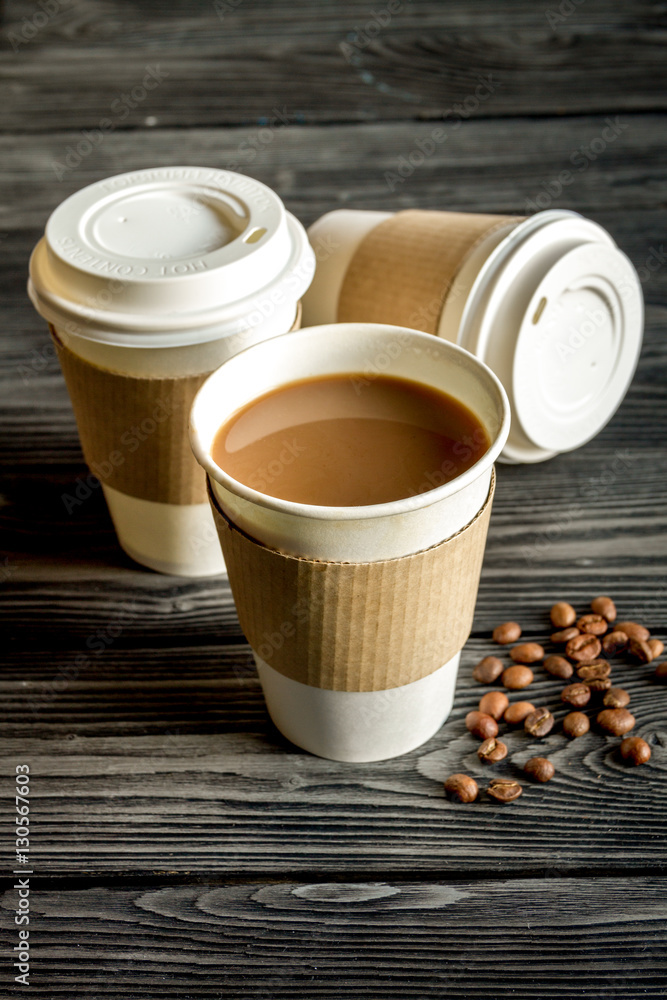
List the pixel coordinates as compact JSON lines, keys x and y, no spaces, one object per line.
{"x":614,"y":642}
{"x":616,"y":721}
{"x":592,"y":624}
{"x":481,"y":725}
{"x":491,"y":751}
{"x":562,"y":615}
{"x":633,"y":630}
{"x":577,"y":695}
{"x":576,"y":724}
{"x":461,"y":788}
{"x":494,"y":703}
{"x":527,"y":652}
{"x":558,"y":666}
{"x":635,"y":750}
{"x":616,"y":698}
{"x":539,"y":723}
{"x":560,"y":638}
{"x":504,"y":789}
{"x":594,"y":670}
{"x":488,"y":670}
{"x":661,"y":673}
{"x":517,"y":677}
{"x":517,"y":712}
{"x":598,"y":684}
{"x":640,"y":650}
{"x":507,"y":632}
{"x":604,"y":606}
{"x":539,"y":768}
{"x":657,"y":647}
{"x":583,"y":648}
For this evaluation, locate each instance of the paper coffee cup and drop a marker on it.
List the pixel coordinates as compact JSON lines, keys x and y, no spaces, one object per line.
{"x":549,"y":303}
{"x":149,"y":281}
{"x":356,"y":615}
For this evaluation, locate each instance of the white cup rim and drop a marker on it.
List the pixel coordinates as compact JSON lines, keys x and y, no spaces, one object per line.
{"x":369,"y":511}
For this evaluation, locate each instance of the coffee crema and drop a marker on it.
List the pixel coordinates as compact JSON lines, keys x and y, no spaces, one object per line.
{"x":349,"y":440}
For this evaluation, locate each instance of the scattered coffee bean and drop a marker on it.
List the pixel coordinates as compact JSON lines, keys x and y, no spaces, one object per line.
{"x":504,"y":789}
{"x":583,"y":648}
{"x":562,"y":615}
{"x":560,"y":638}
{"x":558,"y":666}
{"x":604,"y":606}
{"x":527,"y":652}
{"x":491,"y":751}
{"x":494,"y":703}
{"x":481,"y":725}
{"x":616,"y":721}
{"x":517,"y":712}
{"x":461,"y":788}
{"x":633,"y":630}
{"x":597,"y":684}
{"x":616,"y":698}
{"x":576,"y":695}
{"x":488,"y":670}
{"x":539,"y":723}
{"x":614,"y":642}
{"x":635,"y":750}
{"x":594,"y":670}
{"x":517,"y":677}
{"x":576,"y":724}
{"x":507,"y":632}
{"x":657,"y":647}
{"x":661,"y":672}
{"x":539,"y":768}
{"x":592,"y":624}
{"x":640,"y":650}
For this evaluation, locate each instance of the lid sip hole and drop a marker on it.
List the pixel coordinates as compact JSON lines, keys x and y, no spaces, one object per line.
{"x":254,"y":236}
{"x":540,"y":309}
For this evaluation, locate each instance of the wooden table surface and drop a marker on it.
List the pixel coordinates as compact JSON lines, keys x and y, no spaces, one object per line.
{"x":179,"y":846}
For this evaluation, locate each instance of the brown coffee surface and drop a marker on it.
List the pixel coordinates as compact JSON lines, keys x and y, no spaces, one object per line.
{"x":349,"y":440}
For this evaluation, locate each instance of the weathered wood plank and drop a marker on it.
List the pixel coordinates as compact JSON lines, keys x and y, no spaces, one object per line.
{"x":374,"y":939}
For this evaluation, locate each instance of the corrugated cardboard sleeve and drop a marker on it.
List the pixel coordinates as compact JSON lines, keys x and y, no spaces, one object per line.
{"x":405,"y":268}
{"x":134,"y":429}
{"x":356,"y":626}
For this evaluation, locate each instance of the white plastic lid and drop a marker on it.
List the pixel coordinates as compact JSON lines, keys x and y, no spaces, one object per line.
{"x":167,"y":257}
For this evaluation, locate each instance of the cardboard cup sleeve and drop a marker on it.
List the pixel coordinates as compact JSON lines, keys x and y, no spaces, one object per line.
{"x":356,"y":626}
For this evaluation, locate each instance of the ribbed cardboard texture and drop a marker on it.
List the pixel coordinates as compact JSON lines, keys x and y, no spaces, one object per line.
{"x":404,"y":270}
{"x":134,"y":429}
{"x":356,"y":626}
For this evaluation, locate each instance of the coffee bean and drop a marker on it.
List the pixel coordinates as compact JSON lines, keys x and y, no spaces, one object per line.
{"x":604,"y":606}
{"x":576,"y":724}
{"x":594,"y":670}
{"x":539,"y":723}
{"x":504,"y":789}
{"x":583,"y":648}
{"x":592,"y":624}
{"x":616,"y":698}
{"x":507,"y":632}
{"x":577,"y":695}
{"x":640,"y":650}
{"x":661,"y":673}
{"x":635,"y":750}
{"x":494,"y":703}
{"x":657,"y":647}
{"x":614,"y":642}
{"x":558,"y":666}
{"x":560,"y":638}
{"x":491,"y":751}
{"x":481,"y":725}
{"x":539,"y":768}
{"x":616,"y":721}
{"x":597,"y":684}
{"x":461,"y":788}
{"x":633,"y":630}
{"x":488,"y":670}
{"x":517,"y":677}
{"x":517,"y":712}
{"x":527,"y":652}
{"x":562,"y":615}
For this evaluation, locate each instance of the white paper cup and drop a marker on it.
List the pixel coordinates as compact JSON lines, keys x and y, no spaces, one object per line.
{"x":165,"y":273}
{"x":353,"y":725}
